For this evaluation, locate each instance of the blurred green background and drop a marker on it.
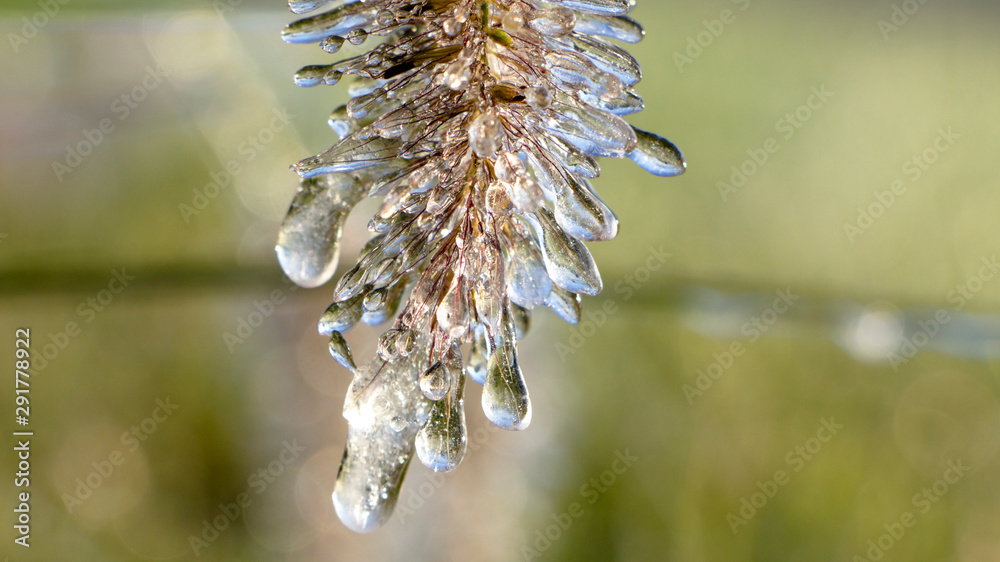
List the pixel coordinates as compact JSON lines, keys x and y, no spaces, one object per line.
{"x":693,"y":370}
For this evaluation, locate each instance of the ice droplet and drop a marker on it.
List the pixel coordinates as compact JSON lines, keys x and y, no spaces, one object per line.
{"x":567,"y":260}
{"x":434,"y":383}
{"x":657,"y":155}
{"x":505,"y":395}
{"x":309,"y":240}
{"x":341,"y":316}
{"x":485,"y":134}
{"x":582,"y":214}
{"x":442,"y":441}
{"x":565,"y":304}
{"x":528,"y":283}
{"x":340,"y":351}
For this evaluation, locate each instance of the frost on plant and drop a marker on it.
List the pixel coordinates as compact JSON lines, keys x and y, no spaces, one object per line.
{"x":478,"y":124}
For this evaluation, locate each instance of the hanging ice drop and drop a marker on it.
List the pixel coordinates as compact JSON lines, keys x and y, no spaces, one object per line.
{"x":308,"y":255}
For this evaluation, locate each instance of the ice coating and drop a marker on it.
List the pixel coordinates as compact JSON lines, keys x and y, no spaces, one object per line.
{"x":477,"y":123}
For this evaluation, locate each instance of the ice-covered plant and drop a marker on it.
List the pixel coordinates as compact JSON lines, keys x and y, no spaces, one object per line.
{"x":478,"y":123}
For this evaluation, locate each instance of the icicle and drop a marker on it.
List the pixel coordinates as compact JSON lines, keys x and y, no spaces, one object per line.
{"x":338,"y":21}
{"x":377,"y":453}
{"x":505,"y":396}
{"x":308,"y":255}
{"x":528,"y":283}
{"x":442,"y":441}
{"x":582,"y":214}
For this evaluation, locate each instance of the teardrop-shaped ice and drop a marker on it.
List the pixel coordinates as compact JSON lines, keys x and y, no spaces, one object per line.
{"x":442,"y":441}
{"x":453,"y":311}
{"x":378,"y":454}
{"x":657,"y":155}
{"x":565,"y":304}
{"x":353,"y":153}
{"x":341,"y":316}
{"x":505,"y":395}
{"x":567,"y":260}
{"x":582,"y":214}
{"x":337,"y":21}
{"x":595,"y":132}
{"x":390,"y":306}
{"x":309,"y":240}
{"x":351,"y":284}
{"x":528,"y":282}
{"x":340,"y":351}
{"x":607,"y":56}
{"x":621,"y":28}
{"x":608,"y":7}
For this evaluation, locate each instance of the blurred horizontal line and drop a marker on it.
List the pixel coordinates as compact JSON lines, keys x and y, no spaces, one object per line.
{"x":148,"y":278}
{"x":664,"y":291}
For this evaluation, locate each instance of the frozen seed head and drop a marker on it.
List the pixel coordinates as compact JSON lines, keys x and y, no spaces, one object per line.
{"x":477,"y":123}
